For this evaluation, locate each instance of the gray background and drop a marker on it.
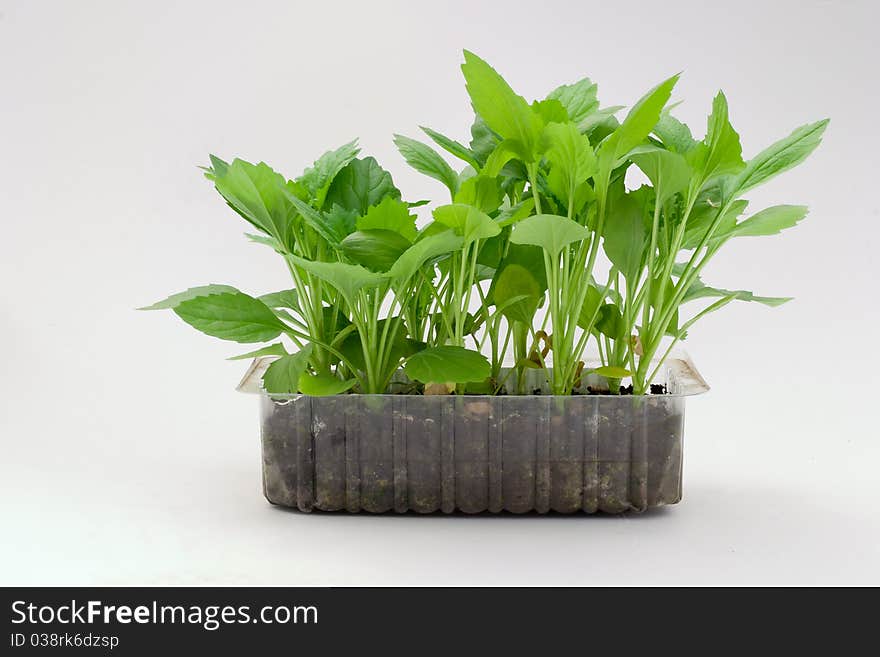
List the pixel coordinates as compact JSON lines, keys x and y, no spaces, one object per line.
{"x":128,"y":458}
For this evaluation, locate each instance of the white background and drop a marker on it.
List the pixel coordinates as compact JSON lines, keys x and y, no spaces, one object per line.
{"x":127,"y":458}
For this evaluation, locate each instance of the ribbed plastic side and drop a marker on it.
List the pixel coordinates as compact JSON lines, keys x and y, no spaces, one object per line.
{"x":379,"y":453}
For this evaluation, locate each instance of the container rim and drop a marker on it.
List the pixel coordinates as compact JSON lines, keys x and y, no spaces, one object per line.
{"x":681,"y":376}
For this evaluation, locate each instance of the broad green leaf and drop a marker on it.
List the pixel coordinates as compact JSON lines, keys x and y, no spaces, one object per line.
{"x":340,"y":222}
{"x":480,"y":191}
{"x":504,"y":152}
{"x":259,"y":195}
{"x":781,"y":156}
{"x":527,"y":256}
{"x":516,"y":281}
{"x":550,"y":110}
{"x":426,"y":160}
{"x":316,"y":219}
{"x":610,"y":321}
{"x":611,"y":372}
{"x":600,"y":123}
{"x":323,"y":384}
{"x":176,"y":299}
{"x":589,"y":315}
{"x":390,"y":214}
{"x":550,"y":232}
{"x":375,"y":249}
{"x":452,"y":147}
{"x":504,"y":111}
{"x":770,"y":221}
{"x":625,"y":235}
{"x":467,"y":221}
{"x":282,"y":299}
{"x":361,"y":184}
{"x":483,"y":141}
{"x":422,"y":251}
{"x":318,"y":177}
{"x":578,"y":99}
{"x":282,"y":376}
{"x":669,"y":172}
{"x":447,"y":364}
{"x":705,"y":212}
{"x":674,"y":134}
{"x":570,"y":157}
{"x":639,"y":122}
{"x":232,"y":316}
{"x":276,"y":349}
{"x":720,"y":153}
{"x":347,"y":279}
{"x":516,"y":213}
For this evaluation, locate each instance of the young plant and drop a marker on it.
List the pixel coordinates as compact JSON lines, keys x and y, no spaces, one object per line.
{"x":538,"y":208}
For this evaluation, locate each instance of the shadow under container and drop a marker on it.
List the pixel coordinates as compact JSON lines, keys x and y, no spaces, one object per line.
{"x":475,"y":453}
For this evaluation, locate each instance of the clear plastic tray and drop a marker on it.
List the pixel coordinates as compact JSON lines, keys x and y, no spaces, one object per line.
{"x":476,"y":453}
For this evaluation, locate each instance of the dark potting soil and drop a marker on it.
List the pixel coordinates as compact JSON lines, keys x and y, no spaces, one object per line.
{"x":517,"y":454}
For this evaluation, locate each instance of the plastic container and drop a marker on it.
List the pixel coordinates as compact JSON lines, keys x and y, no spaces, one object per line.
{"x":475,"y":453}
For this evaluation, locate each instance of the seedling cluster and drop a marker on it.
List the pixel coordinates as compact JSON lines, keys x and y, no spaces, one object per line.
{"x":541,"y":255}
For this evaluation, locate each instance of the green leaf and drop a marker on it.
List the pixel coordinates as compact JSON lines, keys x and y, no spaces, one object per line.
{"x":390,"y":214}
{"x":503,"y":110}
{"x":720,"y":153}
{"x":781,"y":156}
{"x":578,"y":99}
{"x":323,"y":384}
{"x":516,"y":213}
{"x":447,"y":364}
{"x":699,"y":290}
{"x":276,"y":349}
{"x":259,"y":195}
{"x":480,"y":191}
{"x":626,"y":236}
{"x":282,"y":299}
{"x":317,"y":220}
{"x":421,"y":252}
{"x":361,"y":184}
{"x":347,"y":279}
{"x":669,"y":172}
{"x":610,"y":321}
{"x":516,"y":281}
{"x":638,"y":124}
{"x":705,"y":212}
{"x":570,"y":157}
{"x":483,"y":140}
{"x":375,"y":249}
{"x":550,"y":110}
{"x":467,"y":221}
{"x":550,"y":232}
{"x":452,"y":147}
{"x":340,"y":222}
{"x":232,"y":316}
{"x":611,"y":372}
{"x":282,"y":376}
{"x":176,"y":299}
{"x":504,"y":152}
{"x":674,"y":134}
{"x":426,"y":160}
{"x":318,"y":178}
{"x":266,"y":240}
{"x":590,"y":309}
{"x":770,"y":221}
